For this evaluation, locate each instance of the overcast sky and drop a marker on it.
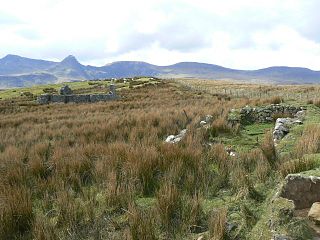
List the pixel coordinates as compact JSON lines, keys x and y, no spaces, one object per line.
{"x":244,"y":34}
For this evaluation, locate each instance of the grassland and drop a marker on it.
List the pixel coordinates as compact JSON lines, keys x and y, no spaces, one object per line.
{"x":103,"y":171}
{"x":100,"y":86}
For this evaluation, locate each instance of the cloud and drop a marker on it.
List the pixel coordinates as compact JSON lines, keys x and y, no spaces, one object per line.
{"x":241,"y":34}
{"x":8,"y":19}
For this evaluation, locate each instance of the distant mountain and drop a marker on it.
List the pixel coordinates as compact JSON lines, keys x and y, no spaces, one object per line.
{"x":69,"y":68}
{"x":16,"y":71}
{"x":13,"y":64}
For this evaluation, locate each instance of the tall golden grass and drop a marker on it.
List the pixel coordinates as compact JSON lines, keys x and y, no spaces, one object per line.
{"x":77,"y":170}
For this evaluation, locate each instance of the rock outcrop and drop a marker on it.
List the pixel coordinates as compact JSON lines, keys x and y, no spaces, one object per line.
{"x":302,"y":190}
{"x":314,"y":213}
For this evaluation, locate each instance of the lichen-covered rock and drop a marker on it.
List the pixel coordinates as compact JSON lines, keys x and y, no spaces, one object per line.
{"x":302,"y":190}
{"x":314,"y":213}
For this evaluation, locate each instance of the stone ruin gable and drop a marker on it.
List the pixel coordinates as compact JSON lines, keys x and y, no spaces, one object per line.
{"x":74,"y":98}
{"x":65,"y":90}
{"x":249,"y":115}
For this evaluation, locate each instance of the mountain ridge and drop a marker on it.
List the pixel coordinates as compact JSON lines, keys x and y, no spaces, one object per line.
{"x":17,"y":71}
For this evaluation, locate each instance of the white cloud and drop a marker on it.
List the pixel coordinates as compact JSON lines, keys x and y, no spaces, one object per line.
{"x":244,"y":34}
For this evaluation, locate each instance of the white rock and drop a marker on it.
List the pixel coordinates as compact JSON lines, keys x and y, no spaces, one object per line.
{"x":202,"y":123}
{"x":208,"y":118}
{"x":176,"y":138}
{"x":232,"y":154}
{"x":170,"y":138}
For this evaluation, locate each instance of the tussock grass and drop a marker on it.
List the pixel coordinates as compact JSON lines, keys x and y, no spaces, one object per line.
{"x":77,"y":170}
{"x":141,"y":224}
{"x":218,"y":225}
{"x":309,"y":142}
{"x":16,"y":215}
{"x":269,"y":150}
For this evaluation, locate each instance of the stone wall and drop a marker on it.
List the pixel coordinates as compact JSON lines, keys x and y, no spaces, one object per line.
{"x":66,"y":96}
{"x":249,"y":115}
{"x":49,"y":98}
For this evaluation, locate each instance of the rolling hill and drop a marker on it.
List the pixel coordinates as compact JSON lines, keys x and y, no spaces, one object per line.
{"x":16,"y":71}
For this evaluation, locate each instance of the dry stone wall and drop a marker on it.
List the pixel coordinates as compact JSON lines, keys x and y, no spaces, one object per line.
{"x":249,"y":115}
{"x":49,"y":98}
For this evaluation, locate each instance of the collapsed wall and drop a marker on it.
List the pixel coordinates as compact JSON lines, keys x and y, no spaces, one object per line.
{"x":267,"y":114}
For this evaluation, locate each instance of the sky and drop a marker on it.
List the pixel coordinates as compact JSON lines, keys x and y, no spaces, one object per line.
{"x":242,"y":34}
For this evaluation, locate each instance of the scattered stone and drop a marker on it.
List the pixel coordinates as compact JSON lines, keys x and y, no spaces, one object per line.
{"x":207,"y":120}
{"x":314,"y":213}
{"x":176,"y":138}
{"x":201,"y":237}
{"x":170,"y":138}
{"x":303,"y":190}
{"x":231,"y":151}
{"x":233,"y":154}
{"x":202,"y":123}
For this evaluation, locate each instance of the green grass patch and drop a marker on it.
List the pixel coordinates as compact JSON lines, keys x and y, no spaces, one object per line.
{"x":249,"y":137}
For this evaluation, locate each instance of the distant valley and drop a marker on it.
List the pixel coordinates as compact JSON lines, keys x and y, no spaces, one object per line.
{"x":17,"y":71}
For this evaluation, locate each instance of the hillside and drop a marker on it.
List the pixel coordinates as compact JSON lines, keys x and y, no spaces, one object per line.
{"x":16,"y":71}
{"x":164,"y":161}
